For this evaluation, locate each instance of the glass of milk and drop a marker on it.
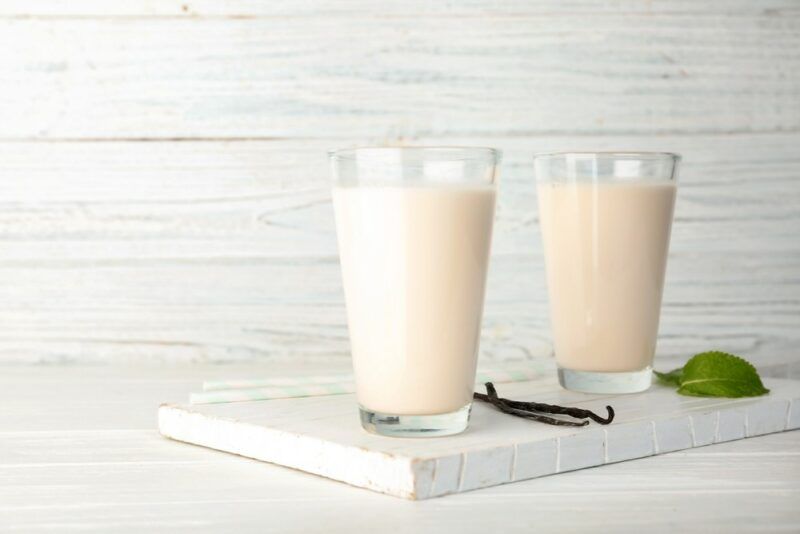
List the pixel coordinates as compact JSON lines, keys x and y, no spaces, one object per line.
{"x":414,"y":228}
{"x":605,"y":220}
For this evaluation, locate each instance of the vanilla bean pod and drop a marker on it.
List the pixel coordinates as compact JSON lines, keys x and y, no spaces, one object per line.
{"x":505,"y":408}
{"x":578,"y":413}
{"x":528,"y":410}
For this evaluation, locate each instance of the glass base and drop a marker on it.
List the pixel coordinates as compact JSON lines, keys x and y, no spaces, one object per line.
{"x":595,"y":382}
{"x":415,"y":426}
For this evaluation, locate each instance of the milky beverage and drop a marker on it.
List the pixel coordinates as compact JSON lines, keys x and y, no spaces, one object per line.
{"x":414,"y":261}
{"x":605,"y":252}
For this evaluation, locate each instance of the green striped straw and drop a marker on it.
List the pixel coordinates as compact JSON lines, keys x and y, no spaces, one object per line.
{"x":271,"y":392}
{"x":220,"y":391}
{"x":215,"y":385}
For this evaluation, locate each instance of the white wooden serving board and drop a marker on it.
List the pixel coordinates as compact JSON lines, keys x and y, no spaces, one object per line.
{"x":322,"y":435}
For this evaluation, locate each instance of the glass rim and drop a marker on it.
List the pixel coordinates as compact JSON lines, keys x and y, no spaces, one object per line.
{"x":610,"y":154}
{"x":483,"y":152}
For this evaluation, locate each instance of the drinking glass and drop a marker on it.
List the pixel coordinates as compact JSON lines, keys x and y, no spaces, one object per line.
{"x":414,"y":229}
{"x":605,"y":220}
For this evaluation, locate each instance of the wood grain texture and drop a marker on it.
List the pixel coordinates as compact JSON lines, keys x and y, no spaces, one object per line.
{"x":163,"y":183}
{"x":317,"y":8}
{"x":69,"y":462}
{"x":225,"y":251}
{"x":321,"y":435}
{"x":367,"y":75}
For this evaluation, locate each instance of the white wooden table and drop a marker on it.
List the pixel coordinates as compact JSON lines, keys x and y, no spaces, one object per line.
{"x":79,"y":451}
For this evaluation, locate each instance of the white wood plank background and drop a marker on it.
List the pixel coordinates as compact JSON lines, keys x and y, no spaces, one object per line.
{"x":257,"y":8}
{"x":361,"y":75}
{"x":163,"y":192}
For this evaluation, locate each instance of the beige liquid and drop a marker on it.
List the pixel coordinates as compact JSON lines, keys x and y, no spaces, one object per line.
{"x":605,"y":252}
{"x":414,"y":263}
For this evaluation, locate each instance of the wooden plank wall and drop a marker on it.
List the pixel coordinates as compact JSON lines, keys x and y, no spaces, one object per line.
{"x":163,"y":183}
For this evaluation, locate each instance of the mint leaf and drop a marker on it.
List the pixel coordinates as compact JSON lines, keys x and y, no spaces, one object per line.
{"x":673,"y":378}
{"x":719,"y":374}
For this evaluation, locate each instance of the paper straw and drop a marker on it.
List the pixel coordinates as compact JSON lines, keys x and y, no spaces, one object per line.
{"x":214,"y":385}
{"x":220,"y":391}
{"x":274,"y":392}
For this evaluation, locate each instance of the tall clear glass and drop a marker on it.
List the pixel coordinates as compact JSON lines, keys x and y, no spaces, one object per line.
{"x":605,"y":220}
{"x":414,"y":227}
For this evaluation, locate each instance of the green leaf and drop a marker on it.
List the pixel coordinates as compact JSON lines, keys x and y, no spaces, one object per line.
{"x":673,"y":378}
{"x":719,"y":374}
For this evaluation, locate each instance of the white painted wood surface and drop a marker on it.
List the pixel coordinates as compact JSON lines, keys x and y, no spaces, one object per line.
{"x":163,"y":181}
{"x":217,"y":251}
{"x":363,"y":75}
{"x":80,"y":452}
{"x":322,"y":435}
{"x":316,"y":8}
